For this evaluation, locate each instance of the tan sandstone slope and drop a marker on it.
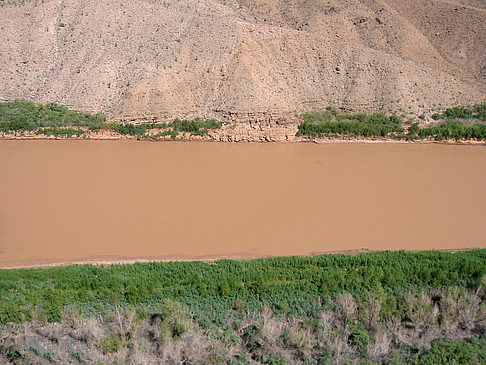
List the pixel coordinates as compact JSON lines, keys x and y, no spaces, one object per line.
{"x":137,"y":59}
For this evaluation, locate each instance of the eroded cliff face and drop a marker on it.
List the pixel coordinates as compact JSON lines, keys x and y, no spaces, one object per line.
{"x":241,"y":60}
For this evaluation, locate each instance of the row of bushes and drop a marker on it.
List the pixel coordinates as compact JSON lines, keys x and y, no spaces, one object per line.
{"x":333,"y":124}
{"x":195,"y":127}
{"x":58,"y":120}
{"x":21,"y":115}
{"x":209,"y":289}
{"x":454,"y":130}
{"x":60,"y":132}
{"x":347,"y":129}
{"x":477,"y":111}
{"x":333,"y":115}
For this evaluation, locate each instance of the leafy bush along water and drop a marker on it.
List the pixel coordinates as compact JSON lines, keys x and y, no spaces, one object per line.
{"x":209,"y":289}
{"x":194,"y":127}
{"x":331,"y":123}
{"x":131,"y":129}
{"x":453,"y":129}
{"x":57,"y":120}
{"x":478,"y":111}
{"x":197,"y":126}
{"x":22,"y":115}
{"x":60,"y":132}
{"x":111,"y":343}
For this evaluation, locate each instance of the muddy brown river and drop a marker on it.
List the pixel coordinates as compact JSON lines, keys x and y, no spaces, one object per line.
{"x":96,"y":201}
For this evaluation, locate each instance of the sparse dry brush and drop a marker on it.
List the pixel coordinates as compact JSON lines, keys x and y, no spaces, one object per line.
{"x":350,"y":332}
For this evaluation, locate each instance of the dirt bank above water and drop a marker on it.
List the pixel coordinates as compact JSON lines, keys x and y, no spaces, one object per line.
{"x":244,"y":132}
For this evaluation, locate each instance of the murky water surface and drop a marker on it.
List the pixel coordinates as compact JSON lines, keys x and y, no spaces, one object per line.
{"x":70,"y":201}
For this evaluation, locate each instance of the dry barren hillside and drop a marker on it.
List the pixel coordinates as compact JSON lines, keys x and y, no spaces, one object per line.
{"x":243,"y":59}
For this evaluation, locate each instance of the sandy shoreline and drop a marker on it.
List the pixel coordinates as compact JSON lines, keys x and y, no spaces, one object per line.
{"x":211,"y":258}
{"x":296,"y":140}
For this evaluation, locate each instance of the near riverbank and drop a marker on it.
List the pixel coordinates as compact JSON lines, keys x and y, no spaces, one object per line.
{"x":380,"y":307}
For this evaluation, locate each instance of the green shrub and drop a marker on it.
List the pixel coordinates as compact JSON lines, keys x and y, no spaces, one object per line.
{"x":253,"y":338}
{"x":352,"y":129}
{"x":283,"y":307}
{"x":53,"y":119}
{"x":130,"y":128}
{"x":196,"y":126}
{"x":240,"y":359}
{"x":445,"y":351}
{"x":333,"y":124}
{"x":175,"y":320}
{"x":197,"y":285}
{"x":453,"y":129}
{"x":111,"y":343}
{"x":458,"y":112}
{"x":360,"y":338}
{"x":10,"y":313}
{"x":326,"y":116}
{"x":414,"y":129}
{"x":169,"y":132}
{"x":20,"y":115}
{"x":481,"y":111}
{"x":53,"y":305}
{"x":59,"y":132}
{"x":395,"y":119}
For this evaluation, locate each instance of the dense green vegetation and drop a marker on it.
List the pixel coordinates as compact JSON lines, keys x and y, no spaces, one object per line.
{"x":195,"y":127}
{"x":131,"y":129}
{"x":211,"y":288}
{"x":21,"y":115}
{"x":383,"y":307}
{"x":60,"y":132}
{"x":331,"y":123}
{"x":57,"y":120}
{"x":477,"y":111}
{"x":444,"y":351}
{"x":453,"y":129}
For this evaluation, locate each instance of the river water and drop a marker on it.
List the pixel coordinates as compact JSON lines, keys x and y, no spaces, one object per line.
{"x":74,"y":201}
